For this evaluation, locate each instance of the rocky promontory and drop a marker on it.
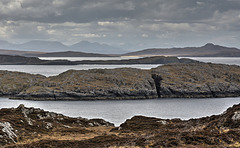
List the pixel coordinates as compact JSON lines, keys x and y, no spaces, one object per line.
{"x":192,"y":80}
{"x":23,"y":127}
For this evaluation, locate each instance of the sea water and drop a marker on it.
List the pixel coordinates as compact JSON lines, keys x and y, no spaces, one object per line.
{"x":117,"y":111}
{"x":52,"y":70}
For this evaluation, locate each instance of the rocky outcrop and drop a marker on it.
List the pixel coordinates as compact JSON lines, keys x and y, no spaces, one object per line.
{"x":50,"y":129}
{"x":192,"y":80}
{"x":214,"y":131}
{"x":23,"y":124}
{"x":123,"y":83}
{"x":198,"y":80}
{"x":12,"y":83}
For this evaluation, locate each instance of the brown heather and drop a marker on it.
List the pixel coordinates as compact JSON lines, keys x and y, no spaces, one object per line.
{"x":31,"y":127}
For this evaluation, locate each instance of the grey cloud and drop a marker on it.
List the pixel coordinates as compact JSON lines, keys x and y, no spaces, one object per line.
{"x":82,"y":11}
{"x":126,"y":23}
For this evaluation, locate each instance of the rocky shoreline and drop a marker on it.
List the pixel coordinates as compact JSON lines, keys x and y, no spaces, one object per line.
{"x":192,"y":80}
{"x":33,"y":127}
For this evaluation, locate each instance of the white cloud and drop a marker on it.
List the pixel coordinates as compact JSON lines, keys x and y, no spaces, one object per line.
{"x":108,"y":23}
{"x":59,"y":3}
{"x":40,"y":28}
{"x":152,"y":27}
{"x":88,"y":35}
{"x":51,"y":32}
{"x":177,"y":26}
{"x":144,"y":35}
{"x":200,"y":3}
{"x":120,"y":35}
{"x":3,"y":32}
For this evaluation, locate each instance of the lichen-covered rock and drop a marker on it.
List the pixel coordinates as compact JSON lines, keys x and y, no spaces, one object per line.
{"x":9,"y":135}
{"x":236,"y":116}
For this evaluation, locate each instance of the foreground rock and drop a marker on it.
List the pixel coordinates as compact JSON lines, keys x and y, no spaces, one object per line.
{"x":23,"y":124}
{"x":215,"y":131}
{"x":30,"y":127}
{"x":192,"y":80}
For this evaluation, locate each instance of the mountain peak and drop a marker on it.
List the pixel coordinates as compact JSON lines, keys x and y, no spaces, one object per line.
{"x":209,"y":44}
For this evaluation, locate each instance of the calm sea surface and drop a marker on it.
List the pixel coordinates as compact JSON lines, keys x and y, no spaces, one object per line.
{"x":118,"y":111}
{"x":88,"y":58}
{"x":52,"y":70}
{"x":220,"y":60}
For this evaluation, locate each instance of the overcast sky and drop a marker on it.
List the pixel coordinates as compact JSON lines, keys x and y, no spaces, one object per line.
{"x":129,"y":24}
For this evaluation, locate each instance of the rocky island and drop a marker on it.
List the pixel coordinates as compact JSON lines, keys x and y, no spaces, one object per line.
{"x":23,"y":127}
{"x":179,"y":80}
{"x":21,"y":60}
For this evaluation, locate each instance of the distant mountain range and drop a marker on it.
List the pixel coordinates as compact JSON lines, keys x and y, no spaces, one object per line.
{"x":67,"y":54}
{"x":208,"y":50}
{"x":87,"y":49}
{"x":54,"y":46}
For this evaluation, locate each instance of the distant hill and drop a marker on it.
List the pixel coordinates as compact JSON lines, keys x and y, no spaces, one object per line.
{"x":69,"y":54}
{"x":88,"y":49}
{"x":208,"y":50}
{"x":85,"y":46}
{"x":18,"y":52}
{"x":46,"y":46}
{"x":54,"y":46}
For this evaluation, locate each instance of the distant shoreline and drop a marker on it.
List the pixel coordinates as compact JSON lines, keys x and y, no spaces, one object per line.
{"x":21,"y":60}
